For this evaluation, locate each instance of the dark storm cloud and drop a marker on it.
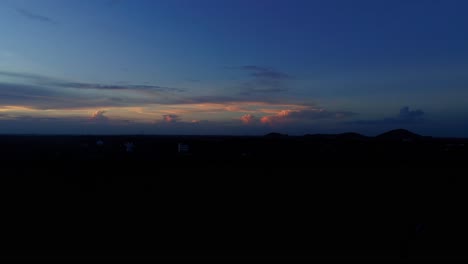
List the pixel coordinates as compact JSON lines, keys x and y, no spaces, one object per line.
{"x":405,"y":116}
{"x":34,"y":16}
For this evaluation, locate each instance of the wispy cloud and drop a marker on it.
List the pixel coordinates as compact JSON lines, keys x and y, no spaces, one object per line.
{"x":44,"y":92}
{"x":34,"y":16}
{"x":265,"y":72}
{"x":263,"y":80}
{"x":132,"y":87}
{"x":48,"y":81}
{"x":37,"y":96}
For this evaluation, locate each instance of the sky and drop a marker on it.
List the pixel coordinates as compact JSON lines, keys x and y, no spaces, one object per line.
{"x":233,"y":67}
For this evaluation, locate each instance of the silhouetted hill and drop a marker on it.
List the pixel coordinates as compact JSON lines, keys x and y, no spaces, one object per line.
{"x":275,"y":135}
{"x":399,"y":135}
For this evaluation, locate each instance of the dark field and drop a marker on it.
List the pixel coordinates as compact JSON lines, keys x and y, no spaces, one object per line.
{"x":315,"y":197}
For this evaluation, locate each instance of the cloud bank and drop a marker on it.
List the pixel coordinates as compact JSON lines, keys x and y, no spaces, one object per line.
{"x":28,"y":98}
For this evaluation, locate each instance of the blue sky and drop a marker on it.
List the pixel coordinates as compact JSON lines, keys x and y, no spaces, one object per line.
{"x":233,"y":66}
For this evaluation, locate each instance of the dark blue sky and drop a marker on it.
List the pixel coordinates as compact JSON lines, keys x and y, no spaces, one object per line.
{"x":233,"y":67}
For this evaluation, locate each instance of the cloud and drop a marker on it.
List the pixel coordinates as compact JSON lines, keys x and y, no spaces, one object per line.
{"x":143,"y":104}
{"x":208,"y":99}
{"x":130,"y":87}
{"x":265,"y":72}
{"x":309,"y":114}
{"x":247,"y":119}
{"x":49,"y":81}
{"x":263,"y":80}
{"x":40,"y":97}
{"x":42,"y":92}
{"x":314,"y":114}
{"x":33,"y":96}
{"x":99,"y":116}
{"x":34,"y":16}
{"x":193,"y":80}
{"x":171,"y":118}
{"x":405,"y":116}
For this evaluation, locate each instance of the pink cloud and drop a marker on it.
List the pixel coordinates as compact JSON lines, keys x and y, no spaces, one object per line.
{"x":303,"y":115}
{"x":171,"y":118}
{"x":280,"y":116}
{"x":99,"y":116}
{"x":247,"y":119}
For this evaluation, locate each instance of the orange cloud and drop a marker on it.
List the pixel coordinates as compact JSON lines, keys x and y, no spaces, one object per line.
{"x":303,"y":115}
{"x":247,"y":119}
{"x":171,"y":118}
{"x":99,"y":116}
{"x":248,"y":112}
{"x":278,"y":117}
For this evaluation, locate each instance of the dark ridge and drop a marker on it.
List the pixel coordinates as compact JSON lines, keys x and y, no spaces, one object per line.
{"x":351,"y":136}
{"x":320,"y":136}
{"x":275,"y":135}
{"x":342,"y":136}
{"x":399,"y":135}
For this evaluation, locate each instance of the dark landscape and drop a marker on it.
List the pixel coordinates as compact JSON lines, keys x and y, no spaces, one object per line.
{"x":235,"y":130}
{"x":331,"y":197}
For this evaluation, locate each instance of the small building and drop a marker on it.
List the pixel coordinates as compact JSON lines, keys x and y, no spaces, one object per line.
{"x":129,"y":147}
{"x":183,"y":148}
